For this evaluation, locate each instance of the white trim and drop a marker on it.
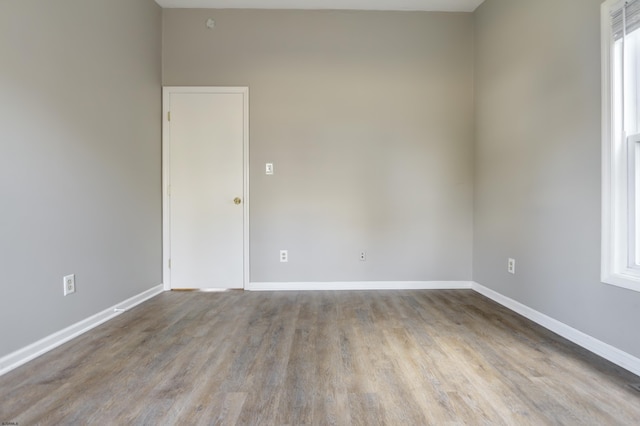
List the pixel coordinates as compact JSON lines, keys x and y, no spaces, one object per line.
{"x":359,"y":285}
{"x":401,"y":5}
{"x":615,"y":250}
{"x":245,"y":151}
{"x":608,"y":352}
{"x":166,"y":180}
{"x":615,"y":355}
{"x":166,"y":166}
{"x":607,"y":166}
{"x":34,"y":350}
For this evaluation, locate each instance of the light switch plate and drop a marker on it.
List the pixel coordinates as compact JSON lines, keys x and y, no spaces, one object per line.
{"x":269,"y":168}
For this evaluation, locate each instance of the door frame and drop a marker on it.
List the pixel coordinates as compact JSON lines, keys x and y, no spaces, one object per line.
{"x":166,"y":178}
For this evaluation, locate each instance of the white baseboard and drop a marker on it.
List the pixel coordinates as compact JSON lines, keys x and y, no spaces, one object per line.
{"x":606,"y":351}
{"x":360,"y":285}
{"x":34,"y":350}
{"x":617,"y":356}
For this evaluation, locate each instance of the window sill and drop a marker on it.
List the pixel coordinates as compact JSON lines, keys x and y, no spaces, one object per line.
{"x":630,"y":281}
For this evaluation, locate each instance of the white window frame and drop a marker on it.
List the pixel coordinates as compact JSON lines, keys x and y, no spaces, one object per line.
{"x":620,"y":266}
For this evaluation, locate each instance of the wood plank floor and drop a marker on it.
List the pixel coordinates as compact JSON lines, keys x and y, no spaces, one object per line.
{"x":362,"y":358}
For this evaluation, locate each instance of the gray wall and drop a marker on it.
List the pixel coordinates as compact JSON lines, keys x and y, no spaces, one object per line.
{"x":538,"y":165}
{"x":368,"y":118}
{"x":80,"y":169}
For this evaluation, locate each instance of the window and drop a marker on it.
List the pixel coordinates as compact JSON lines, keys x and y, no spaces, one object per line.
{"x":621,"y":143}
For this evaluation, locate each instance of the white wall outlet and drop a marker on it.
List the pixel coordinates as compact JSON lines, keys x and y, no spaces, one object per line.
{"x":69,"y":284}
{"x":511,"y":266}
{"x":284,"y":256}
{"x":363,"y":256}
{"x":268,"y":168}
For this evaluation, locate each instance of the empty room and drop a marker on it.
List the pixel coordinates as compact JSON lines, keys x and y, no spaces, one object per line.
{"x":288,"y":212}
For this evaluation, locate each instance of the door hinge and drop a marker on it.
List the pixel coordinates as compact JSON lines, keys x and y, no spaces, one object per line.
{"x":169,"y":116}
{"x":169,"y":263}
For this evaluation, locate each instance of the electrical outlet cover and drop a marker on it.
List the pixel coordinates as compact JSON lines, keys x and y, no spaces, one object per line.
{"x":69,"y":282}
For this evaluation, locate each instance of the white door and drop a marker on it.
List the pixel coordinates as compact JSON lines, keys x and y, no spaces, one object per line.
{"x":205,"y":148}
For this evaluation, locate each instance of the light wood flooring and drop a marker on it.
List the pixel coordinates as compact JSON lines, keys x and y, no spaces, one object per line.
{"x":365,"y":358}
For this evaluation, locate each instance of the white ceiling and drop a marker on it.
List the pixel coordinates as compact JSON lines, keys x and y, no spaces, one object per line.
{"x":424,"y":5}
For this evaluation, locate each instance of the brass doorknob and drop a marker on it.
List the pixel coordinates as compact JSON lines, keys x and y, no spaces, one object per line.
{"x":237,"y":200}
